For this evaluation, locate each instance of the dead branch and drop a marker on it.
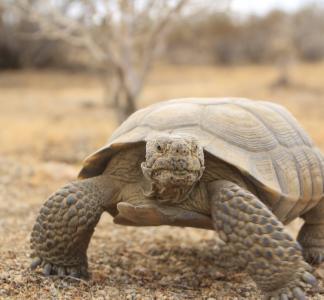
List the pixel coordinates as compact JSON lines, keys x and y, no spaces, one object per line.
{"x":122,"y":36}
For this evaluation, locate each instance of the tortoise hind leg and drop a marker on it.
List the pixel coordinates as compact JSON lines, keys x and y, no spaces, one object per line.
{"x":311,"y":235}
{"x":255,"y":240}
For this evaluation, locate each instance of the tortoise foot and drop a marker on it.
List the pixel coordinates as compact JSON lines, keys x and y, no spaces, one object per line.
{"x":314,"y":255}
{"x":295,"y":289}
{"x":76,"y":271}
{"x":311,"y":237}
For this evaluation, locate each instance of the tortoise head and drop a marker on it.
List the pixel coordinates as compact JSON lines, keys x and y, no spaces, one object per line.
{"x":173,"y":162}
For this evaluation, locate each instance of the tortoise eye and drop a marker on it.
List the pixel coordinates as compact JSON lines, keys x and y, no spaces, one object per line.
{"x":159,"y":148}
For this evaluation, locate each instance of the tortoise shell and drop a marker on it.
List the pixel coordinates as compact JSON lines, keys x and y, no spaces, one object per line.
{"x":262,"y":140}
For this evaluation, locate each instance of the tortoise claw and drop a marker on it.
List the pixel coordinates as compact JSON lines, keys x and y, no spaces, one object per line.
{"x":309,"y":278}
{"x":61,"y":271}
{"x":35,"y":263}
{"x":79,"y":271}
{"x":294,"y":290}
{"x":284,"y":297}
{"x":47,"y":269}
{"x":75,"y":272}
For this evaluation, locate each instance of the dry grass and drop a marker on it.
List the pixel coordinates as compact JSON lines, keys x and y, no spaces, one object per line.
{"x":50,"y":121}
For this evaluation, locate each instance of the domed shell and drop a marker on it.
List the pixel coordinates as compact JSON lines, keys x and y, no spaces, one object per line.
{"x":261,"y":139}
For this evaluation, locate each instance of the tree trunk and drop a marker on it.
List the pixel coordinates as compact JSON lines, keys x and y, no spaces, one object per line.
{"x":126,"y":105}
{"x":119,"y":97}
{"x":283,"y":79}
{"x":284,"y":73}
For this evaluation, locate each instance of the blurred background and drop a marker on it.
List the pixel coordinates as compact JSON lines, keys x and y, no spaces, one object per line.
{"x":72,"y":71}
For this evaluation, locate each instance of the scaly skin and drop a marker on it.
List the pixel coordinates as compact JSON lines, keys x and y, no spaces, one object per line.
{"x":151,"y":214}
{"x":311,"y":235}
{"x":253,"y":237}
{"x":64,"y":227}
{"x":256,"y":241}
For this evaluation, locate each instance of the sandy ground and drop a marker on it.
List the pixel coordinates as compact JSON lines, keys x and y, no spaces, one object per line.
{"x":50,"y":121}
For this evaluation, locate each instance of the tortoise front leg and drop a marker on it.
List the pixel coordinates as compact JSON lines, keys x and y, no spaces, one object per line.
{"x":152,"y":214}
{"x":256,"y":241}
{"x":65,"y":224}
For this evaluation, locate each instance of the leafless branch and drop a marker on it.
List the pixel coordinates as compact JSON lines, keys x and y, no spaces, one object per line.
{"x":122,"y":36}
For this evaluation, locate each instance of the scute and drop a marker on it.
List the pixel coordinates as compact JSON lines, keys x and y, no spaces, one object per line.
{"x":261,"y":139}
{"x":225,"y":122}
{"x":178,"y":116}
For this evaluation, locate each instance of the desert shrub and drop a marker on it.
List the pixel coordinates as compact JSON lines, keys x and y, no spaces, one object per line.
{"x":309,"y":33}
{"x":227,"y":39}
{"x":20,"y":49}
{"x":212,"y":38}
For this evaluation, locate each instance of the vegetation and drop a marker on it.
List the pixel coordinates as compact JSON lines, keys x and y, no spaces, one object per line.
{"x":224,"y":39}
{"x":123,"y":49}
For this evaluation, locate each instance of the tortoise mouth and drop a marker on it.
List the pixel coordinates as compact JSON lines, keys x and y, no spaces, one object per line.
{"x":176,"y":178}
{"x":174,"y":173}
{"x":167,"y":177}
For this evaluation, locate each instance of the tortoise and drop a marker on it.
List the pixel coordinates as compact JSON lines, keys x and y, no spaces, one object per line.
{"x":244,"y":168}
